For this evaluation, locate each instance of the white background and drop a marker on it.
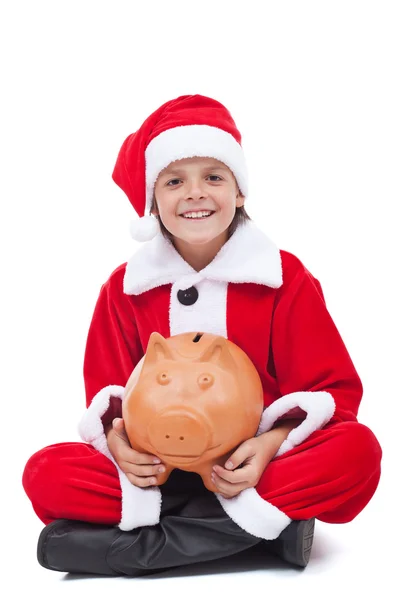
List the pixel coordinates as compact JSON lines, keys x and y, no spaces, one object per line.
{"x":314,"y":88}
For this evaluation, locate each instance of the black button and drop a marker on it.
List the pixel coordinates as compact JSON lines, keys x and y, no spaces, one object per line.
{"x":189,"y":296}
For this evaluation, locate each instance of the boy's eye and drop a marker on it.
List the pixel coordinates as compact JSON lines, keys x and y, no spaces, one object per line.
{"x":176,"y":181}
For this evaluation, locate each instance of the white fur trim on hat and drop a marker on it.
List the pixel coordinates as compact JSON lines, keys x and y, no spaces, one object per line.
{"x":193,"y":140}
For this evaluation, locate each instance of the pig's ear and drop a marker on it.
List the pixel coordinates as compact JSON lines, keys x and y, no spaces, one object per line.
{"x":157,"y":349}
{"x":218,"y":353}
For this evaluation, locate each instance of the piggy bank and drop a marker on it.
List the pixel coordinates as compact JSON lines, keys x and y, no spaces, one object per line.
{"x":192,"y":400}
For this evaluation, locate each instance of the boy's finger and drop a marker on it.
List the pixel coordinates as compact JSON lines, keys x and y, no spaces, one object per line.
{"x":238,"y":476}
{"x":230,"y":489}
{"x":141,"y":481}
{"x":146,"y":459}
{"x":146,"y":470}
{"x":119,"y":428}
{"x":239,"y":456}
{"x":139,"y":458}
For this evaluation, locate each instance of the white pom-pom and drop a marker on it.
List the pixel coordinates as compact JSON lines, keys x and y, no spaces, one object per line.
{"x":144,"y":229}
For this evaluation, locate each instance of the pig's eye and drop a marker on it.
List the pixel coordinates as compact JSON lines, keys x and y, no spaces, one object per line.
{"x":205,"y":380}
{"x":163,"y":378}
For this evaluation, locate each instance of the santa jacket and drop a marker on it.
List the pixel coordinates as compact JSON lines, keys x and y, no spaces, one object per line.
{"x":259,"y":297}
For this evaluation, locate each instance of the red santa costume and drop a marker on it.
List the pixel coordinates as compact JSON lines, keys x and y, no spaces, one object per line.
{"x":261,"y":298}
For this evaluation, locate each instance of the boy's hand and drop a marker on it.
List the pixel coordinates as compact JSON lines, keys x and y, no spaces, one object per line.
{"x":139,"y":468}
{"x":254,"y":454}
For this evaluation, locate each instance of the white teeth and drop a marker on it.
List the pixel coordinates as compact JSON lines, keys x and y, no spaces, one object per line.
{"x":197,"y":215}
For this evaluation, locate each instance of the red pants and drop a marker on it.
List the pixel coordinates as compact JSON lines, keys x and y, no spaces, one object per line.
{"x":331,"y":476}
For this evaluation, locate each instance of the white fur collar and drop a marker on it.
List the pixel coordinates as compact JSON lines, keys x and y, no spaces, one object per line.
{"x":249,"y":256}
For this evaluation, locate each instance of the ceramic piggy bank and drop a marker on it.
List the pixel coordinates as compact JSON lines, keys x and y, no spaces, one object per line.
{"x":191,"y":401}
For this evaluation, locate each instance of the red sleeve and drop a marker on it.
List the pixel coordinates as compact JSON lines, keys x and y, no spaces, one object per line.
{"x":309,"y":353}
{"x":113,"y":346}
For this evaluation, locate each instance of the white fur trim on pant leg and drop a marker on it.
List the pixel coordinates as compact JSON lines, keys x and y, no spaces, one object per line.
{"x":139,"y":507}
{"x":319,"y":406}
{"x":255,"y":515}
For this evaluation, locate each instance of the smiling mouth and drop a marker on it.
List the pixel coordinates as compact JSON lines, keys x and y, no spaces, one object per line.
{"x":197,"y":218}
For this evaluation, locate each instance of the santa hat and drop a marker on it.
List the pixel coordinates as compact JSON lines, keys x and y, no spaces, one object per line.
{"x":182,"y":128}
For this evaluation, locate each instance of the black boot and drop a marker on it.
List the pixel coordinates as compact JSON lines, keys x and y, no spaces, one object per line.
{"x":77,"y":547}
{"x":193,"y":528}
{"x":294,"y":543}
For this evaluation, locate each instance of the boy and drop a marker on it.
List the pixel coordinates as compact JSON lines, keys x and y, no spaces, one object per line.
{"x":206,"y":267}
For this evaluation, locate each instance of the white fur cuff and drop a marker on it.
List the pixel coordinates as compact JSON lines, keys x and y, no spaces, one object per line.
{"x":319,"y":406}
{"x":140,"y":507}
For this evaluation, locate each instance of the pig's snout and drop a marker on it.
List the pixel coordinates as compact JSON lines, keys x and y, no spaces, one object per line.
{"x":179,"y":434}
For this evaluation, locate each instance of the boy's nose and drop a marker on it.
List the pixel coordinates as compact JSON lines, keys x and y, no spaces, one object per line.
{"x":196,"y":190}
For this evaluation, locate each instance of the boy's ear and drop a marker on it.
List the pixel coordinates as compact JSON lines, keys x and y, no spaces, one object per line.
{"x":154,"y":209}
{"x":239,"y":199}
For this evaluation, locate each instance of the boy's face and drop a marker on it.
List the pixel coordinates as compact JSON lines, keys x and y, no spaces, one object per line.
{"x":197,"y":184}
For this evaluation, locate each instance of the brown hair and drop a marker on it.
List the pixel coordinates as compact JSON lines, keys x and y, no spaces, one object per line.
{"x":240,"y":217}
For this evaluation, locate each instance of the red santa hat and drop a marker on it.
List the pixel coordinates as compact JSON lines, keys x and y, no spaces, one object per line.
{"x":182,"y":128}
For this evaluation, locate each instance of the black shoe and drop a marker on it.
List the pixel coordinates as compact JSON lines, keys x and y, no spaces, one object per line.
{"x":201,"y":532}
{"x":76,"y":547}
{"x":294,"y":543}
